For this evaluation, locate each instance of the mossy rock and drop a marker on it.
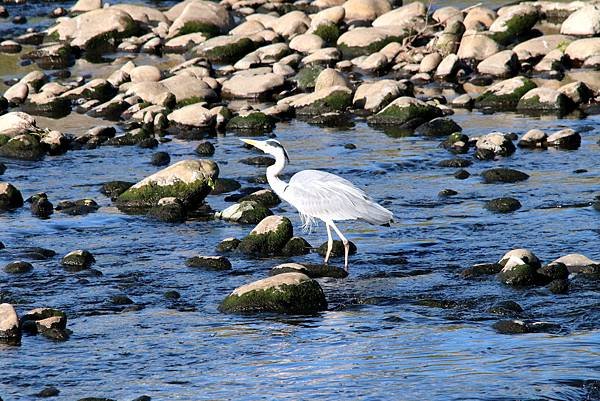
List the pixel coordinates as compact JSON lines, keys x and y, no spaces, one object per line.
{"x":560,"y":105}
{"x":307,"y":77}
{"x":516,"y":26}
{"x":229,"y":53}
{"x":265,"y":197}
{"x":519,"y":275}
{"x":228,"y":245}
{"x":18,"y":267}
{"x":4,"y":139}
{"x":245,"y":212}
{"x":295,"y":247}
{"x":268,"y":237}
{"x":481,"y":269}
{"x":225,"y":185}
{"x":337,"y":249}
{"x":56,"y":107}
{"x":209,"y":262}
{"x":496,"y":97}
{"x":23,"y":147}
{"x":254,"y":123}
{"x":131,"y":138}
{"x":503,"y":175}
{"x":522,"y":327}
{"x":78,"y":260}
{"x":328,"y":32}
{"x":503,"y":205}
{"x":441,"y":126}
{"x":350,"y":52}
{"x":406,"y":111}
{"x":311,"y":270}
{"x":289,"y":293}
{"x":168,"y":212}
{"x":209,"y":30}
{"x":337,"y":100}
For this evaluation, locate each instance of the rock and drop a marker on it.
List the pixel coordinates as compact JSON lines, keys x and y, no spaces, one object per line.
{"x":47,"y":105}
{"x":268,"y":237}
{"x":503,"y":205}
{"x":201,"y":16}
{"x":10,"y":330}
{"x":77,"y":208}
{"x":47,"y":392}
{"x":533,"y":138}
{"x":184,"y":43}
{"x":518,"y":273}
{"x":536,"y":48}
{"x":481,"y":269}
{"x":583,"y":22}
{"x":10,"y":197}
{"x":189,"y":90}
{"x":145,"y":73}
{"x":440,"y":126}
{"x":188,"y":180}
{"x":10,"y":46}
{"x":113,"y":189}
{"x":252,"y":86}
{"x":312,"y":271}
{"x":406,"y":111}
{"x":78,"y":260}
{"x":366,"y":41}
{"x":245,"y":212}
{"x":447,"y":67}
{"x":296,"y":246}
{"x":374,"y":96}
{"x":82,"y":6}
{"x":41,"y":206}
{"x":209,"y":262}
{"x":154,"y":93}
{"x":16,"y":95}
{"x":291,"y":24}
{"x":224,"y":49}
{"x":577,"y":92}
{"x":307,"y":43}
{"x":253,"y":123}
{"x":99,"y":89}
{"x":332,"y":99}
{"x":168,"y":210}
{"x":524,"y":255}
{"x":34,"y":80}
{"x":143,"y":15}
{"x":160,"y":159}
{"x":2,"y":168}
{"x":329,"y":78}
{"x":577,"y":263}
{"x":95,"y":30}
{"x":503,"y":64}
{"x":206,"y":149}
{"x":289,"y":293}
{"x":513,"y":21}
{"x":554,"y":271}
{"x":375,"y":62}
{"x":506,"y":308}
{"x":560,"y":286}
{"x":521,"y":327}
{"x":266,"y":197}
{"x":477,"y":46}
{"x":228,"y":245}
{"x":496,"y":144}
{"x":544,"y":100}
{"x":264,"y":161}
{"x":51,"y":57}
{"x":505,"y":95}
{"x":18,"y":267}
{"x":365,"y":10}
{"x":565,"y":139}
{"x":51,"y":323}
{"x":503,"y":175}
{"x":455,"y":163}
{"x":337,"y":250}
{"x":580,"y":50}
{"x":38,"y":253}
{"x":192,"y":118}
{"x":121,"y":300}
{"x":430,"y":62}
{"x":462,"y":174}
{"x":448,"y":41}
{"x":306,"y":77}
{"x":479,"y":16}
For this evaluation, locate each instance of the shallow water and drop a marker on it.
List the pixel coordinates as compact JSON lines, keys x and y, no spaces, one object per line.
{"x":376,"y":341}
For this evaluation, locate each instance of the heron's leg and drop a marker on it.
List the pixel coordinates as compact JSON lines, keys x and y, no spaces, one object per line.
{"x":345,"y":242}
{"x":329,"y":242}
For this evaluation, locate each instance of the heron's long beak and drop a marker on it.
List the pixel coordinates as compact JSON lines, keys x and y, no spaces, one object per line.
{"x":256,"y":144}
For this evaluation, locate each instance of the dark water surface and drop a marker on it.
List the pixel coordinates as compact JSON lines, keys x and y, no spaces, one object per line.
{"x":376,"y":342}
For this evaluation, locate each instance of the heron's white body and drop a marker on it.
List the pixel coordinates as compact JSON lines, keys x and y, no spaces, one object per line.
{"x":321,"y":195}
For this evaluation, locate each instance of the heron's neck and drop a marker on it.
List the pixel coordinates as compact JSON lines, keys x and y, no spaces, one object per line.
{"x":276,"y":183}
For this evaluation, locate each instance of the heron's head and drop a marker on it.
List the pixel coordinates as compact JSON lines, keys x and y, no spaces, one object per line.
{"x":270,"y":146}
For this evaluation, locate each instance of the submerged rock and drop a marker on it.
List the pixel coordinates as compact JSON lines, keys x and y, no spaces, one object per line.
{"x":312,"y":271}
{"x":503,"y":205}
{"x":209,"y":262}
{"x":503,"y":175}
{"x":288,"y":293}
{"x":188,"y":180}
{"x":10,"y":197}
{"x":228,"y":245}
{"x":337,"y":249}
{"x":169,"y":210}
{"x":78,"y":260}
{"x":523,"y":327}
{"x":268,"y":237}
{"x":18,"y":267}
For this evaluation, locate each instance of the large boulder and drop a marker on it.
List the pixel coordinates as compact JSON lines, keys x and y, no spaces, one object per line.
{"x":94,"y":30}
{"x":513,"y":21}
{"x":289,"y":293}
{"x":201,"y":16}
{"x":268,"y":237}
{"x":406,"y":112}
{"x":10,"y":329}
{"x":10,"y":197}
{"x":23,"y":147}
{"x":581,"y":50}
{"x":505,"y":95}
{"x":374,"y":96}
{"x":252,"y":86}
{"x":17,"y":123}
{"x":583,"y":22}
{"x":188,"y":180}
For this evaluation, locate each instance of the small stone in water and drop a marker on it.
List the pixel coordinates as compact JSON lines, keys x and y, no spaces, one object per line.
{"x":160,"y":159}
{"x":462,"y":174}
{"x":121,"y":300}
{"x":205,"y":149}
{"x":18,"y":267}
{"x":503,"y":205}
{"x":447,"y":192}
{"x":78,"y":260}
{"x":228,"y":245}
{"x":350,"y":146}
{"x":50,"y":391}
{"x":209,"y":262}
{"x":172,"y":294}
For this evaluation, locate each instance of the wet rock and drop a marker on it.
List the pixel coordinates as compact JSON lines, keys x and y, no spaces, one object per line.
{"x":268,"y":237}
{"x":160,"y":159}
{"x":374,"y":96}
{"x":168,"y":210}
{"x":311,"y":270}
{"x":583,"y":22}
{"x":16,"y":95}
{"x":577,"y":263}
{"x":188,"y":180}
{"x":121,"y":300}
{"x":51,"y":323}
{"x":447,"y":192}
{"x":10,"y":330}
{"x":224,"y":49}
{"x":441,"y":126}
{"x":95,"y":30}
{"x":495,"y":144}
{"x":47,"y":105}
{"x":113,"y":189}
{"x":296,"y":246}
{"x":544,"y":100}
{"x":228,"y":245}
{"x":534,"y":138}
{"x":462,"y":174}
{"x":205,"y":148}
{"x":38,"y":253}
{"x":506,"y":308}
{"x":192,"y":117}
{"x":554,"y":271}
{"x":78,"y":260}
{"x":455,"y":163}
{"x":337,"y":250}
{"x":306,"y":77}
{"x":253,"y":123}
{"x":329,"y":100}
{"x":266,"y":197}
{"x":503,"y":205}
{"x":77,"y":208}
{"x":224,"y":185}
{"x":2,"y":168}
{"x":47,"y":392}
{"x":565,"y":139}
{"x":560,"y":286}
{"x":523,"y":254}
{"x":505,"y":94}
{"x":10,"y":197}
{"x":406,"y":111}
{"x":522,"y":327}
{"x":18,"y":267}
{"x":289,"y":293}
{"x":518,"y":273}
{"x":209,"y":262}
{"x":41,"y":206}
{"x":172,"y":295}
{"x":513,"y":21}
{"x":246,"y":212}
{"x":481,"y":269}
{"x":463,"y":101}
{"x":55,"y":143}
{"x":263,"y":161}
{"x":503,"y":175}
{"x":503,"y":64}
{"x":52,"y":57}
{"x":366,"y":41}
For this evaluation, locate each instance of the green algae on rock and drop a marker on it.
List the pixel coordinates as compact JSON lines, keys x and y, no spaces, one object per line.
{"x":253,"y":123}
{"x":406,"y":111}
{"x":268,"y":237}
{"x":505,"y":95}
{"x":287,"y":293}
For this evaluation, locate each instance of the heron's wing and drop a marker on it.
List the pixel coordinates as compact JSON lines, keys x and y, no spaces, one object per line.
{"x":329,"y":197}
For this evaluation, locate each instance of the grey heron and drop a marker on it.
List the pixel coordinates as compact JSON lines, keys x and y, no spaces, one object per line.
{"x":321,"y":195}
